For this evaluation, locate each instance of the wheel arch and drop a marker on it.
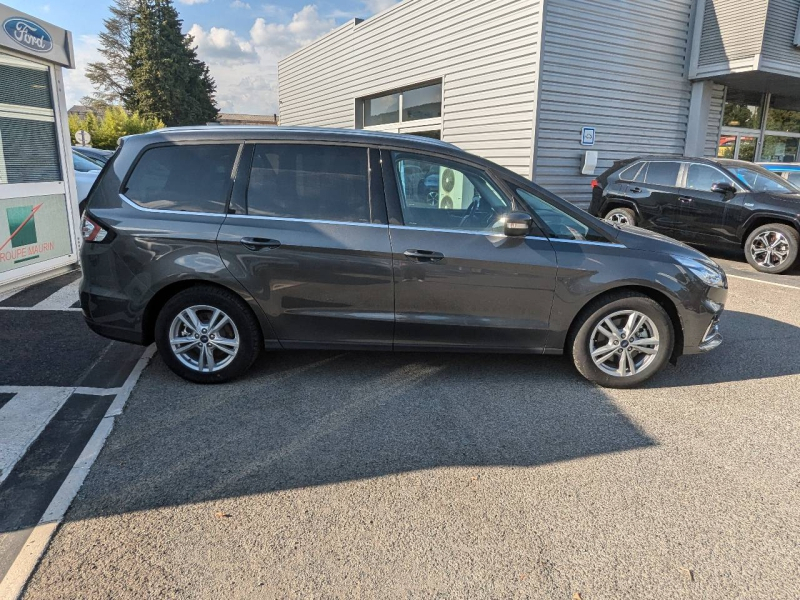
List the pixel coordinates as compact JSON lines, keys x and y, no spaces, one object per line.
{"x":658,"y":296}
{"x":758,"y":220}
{"x":162,"y":296}
{"x":613,"y":202}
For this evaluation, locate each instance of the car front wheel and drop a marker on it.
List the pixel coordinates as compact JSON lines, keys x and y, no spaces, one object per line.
{"x":772,"y":248}
{"x":622,"y":341}
{"x":207,"y":334}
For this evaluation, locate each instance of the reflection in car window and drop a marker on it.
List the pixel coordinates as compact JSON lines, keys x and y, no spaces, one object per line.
{"x":306,"y":181}
{"x":702,"y":177}
{"x":443,"y":195}
{"x":761,"y":180}
{"x":794,"y":177}
{"x":561,"y":225}
{"x":663,"y":173}
{"x":191,"y":177}
{"x":631,"y":172}
{"x":84,"y":165}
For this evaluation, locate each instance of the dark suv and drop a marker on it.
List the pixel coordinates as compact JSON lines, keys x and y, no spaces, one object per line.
{"x":720,"y":204}
{"x":220,"y":242}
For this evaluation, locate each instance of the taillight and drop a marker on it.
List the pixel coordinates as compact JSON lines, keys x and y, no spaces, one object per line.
{"x":91,"y":231}
{"x":595,"y":183}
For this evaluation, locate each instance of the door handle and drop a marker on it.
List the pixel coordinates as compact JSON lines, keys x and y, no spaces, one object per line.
{"x":686,"y":199}
{"x":635,"y":190}
{"x":424,"y":255}
{"x":256,"y":244}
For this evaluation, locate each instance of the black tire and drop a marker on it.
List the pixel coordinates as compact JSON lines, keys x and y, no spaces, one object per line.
{"x":246,"y":325}
{"x":792,"y":238}
{"x":578,"y":345}
{"x":624,"y":216}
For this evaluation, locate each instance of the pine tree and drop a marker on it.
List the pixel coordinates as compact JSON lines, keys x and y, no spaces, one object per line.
{"x":168,"y":81}
{"x":111,"y":76}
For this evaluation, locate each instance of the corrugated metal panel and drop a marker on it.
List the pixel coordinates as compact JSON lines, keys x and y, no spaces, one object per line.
{"x":486,"y":51}
{"x":628,"y":83}
{"x":779,"y":47}
{"x":715,"y":120}
{"x":732,"y":30}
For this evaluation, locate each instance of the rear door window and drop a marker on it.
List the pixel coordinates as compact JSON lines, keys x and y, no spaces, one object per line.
{"x":307,"y":181}
{"x":192,"y":178}
{"x":663,"y":173}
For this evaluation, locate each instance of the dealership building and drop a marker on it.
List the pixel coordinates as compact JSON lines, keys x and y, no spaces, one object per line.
{"x":38,"y":207}
{"x":557,"y":90}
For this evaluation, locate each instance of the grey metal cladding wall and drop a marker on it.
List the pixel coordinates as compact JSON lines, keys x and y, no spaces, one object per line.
{"x":485,"y":50}
{"x":732,"y":30}
{"x":715,"y":120}
{"x":628,"y":82}
{"x":779,"y":52}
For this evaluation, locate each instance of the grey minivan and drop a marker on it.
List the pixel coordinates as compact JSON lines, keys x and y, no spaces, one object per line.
{"x":217,"y":243}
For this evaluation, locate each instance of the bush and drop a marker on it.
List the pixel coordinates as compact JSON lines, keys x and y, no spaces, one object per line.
{"x":114,"y":124}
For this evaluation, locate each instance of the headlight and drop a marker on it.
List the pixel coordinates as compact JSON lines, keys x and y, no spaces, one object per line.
{"x":706,"y":270}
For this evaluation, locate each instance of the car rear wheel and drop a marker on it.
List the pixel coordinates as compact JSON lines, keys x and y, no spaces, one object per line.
{"x":622,"y":341}
{"x":621,"y":216}
{"x":772,"y":248}
{"x":207,"y":335}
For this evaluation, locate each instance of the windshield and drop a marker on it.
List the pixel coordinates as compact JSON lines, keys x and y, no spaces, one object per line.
{"x":84,"y":165}
{"x":761,"y":180}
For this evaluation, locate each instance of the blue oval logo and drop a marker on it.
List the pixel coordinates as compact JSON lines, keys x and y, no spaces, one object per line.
{"x":28,"y":34}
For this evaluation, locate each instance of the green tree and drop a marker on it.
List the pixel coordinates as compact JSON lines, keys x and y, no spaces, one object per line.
{"x":114,"y":124}
{"x":111,"y":75}
{"x":168,"y":81}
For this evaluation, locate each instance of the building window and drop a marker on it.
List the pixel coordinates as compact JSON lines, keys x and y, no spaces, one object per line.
{"x":404,"y":106}
{"x":743,"y":109}
{"x":382,"y":110}
{"x":422,"y":103}
{"x":760,"y":127}
{"x":28,"y":140}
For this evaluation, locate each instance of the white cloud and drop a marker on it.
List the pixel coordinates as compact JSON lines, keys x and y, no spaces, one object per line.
{"x":239,"y":4}
{"x":190,"y":2}
{"x":376,"y":6}
{"x":45,"y":8}
{"x":278,"y":39}
{"x":76,"y":85}
{"x":221,"y":45}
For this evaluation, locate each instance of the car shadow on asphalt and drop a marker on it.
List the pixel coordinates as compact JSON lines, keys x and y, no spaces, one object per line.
{"x":754,"y":347}
{"x":305,"y":419}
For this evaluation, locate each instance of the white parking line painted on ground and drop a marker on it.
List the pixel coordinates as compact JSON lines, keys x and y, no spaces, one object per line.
{"x":63,"y":299}
{"x":783,"y":285}
{"x":23,"y":419}
{"x":13,"y":583}
{"x":30,"y":308}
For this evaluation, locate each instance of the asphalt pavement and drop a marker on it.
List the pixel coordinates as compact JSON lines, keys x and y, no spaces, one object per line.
{"x":370,"y":475}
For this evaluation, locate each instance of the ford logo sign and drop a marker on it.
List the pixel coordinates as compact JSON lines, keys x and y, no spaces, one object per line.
{"x":28,"y":34}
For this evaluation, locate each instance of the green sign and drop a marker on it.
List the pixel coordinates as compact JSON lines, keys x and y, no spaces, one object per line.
{"x":33,"y":230}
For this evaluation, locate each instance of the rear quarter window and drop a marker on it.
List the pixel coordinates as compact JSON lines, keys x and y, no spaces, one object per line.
{"x":632,"y":172}
{"x":191,"y":178}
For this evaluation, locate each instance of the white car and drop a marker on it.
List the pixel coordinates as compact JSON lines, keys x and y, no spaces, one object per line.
{"x":86,"y":171}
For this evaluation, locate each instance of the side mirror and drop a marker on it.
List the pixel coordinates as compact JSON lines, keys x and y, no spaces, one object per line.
{"x":517,"y":224}
{"x":724,"y":188}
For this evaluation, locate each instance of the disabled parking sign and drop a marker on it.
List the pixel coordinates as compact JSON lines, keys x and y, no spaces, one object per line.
{"x":587,"y":136}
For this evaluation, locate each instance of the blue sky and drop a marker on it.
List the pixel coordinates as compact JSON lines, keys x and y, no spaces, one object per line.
{"x":241,"y":40}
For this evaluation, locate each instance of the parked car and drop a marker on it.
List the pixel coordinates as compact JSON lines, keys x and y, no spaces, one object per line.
{"x":86,"y":171}
{"x":721,"y":204}
{"x":97,"y":155}
{"x":218,"y":243}
{"x":789,"y":171}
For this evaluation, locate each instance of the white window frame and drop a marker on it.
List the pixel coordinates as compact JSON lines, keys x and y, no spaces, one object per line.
{"x":415,"y":126}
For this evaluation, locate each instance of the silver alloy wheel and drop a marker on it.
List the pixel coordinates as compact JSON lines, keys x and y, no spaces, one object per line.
{"x":624,"y":343}
{"x":204,"y":339}
{"x":770,"y":249}
{"x":620,"y":218}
